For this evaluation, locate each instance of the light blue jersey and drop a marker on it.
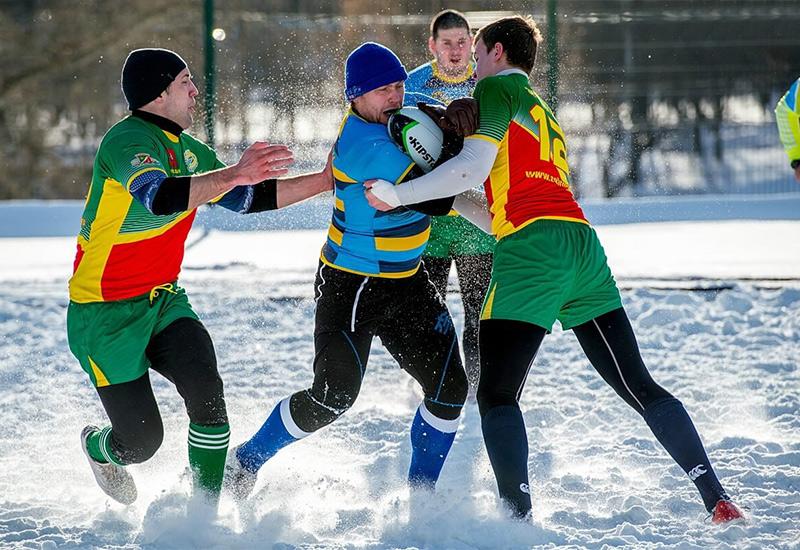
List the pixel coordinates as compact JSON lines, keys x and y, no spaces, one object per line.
{"x":361,"y":239}
{"x":428,"y":81}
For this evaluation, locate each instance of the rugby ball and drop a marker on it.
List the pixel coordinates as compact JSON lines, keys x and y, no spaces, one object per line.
{"x":417,"y":135}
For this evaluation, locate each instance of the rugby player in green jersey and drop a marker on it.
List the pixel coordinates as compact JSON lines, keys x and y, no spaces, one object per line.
{"x":548,"y":266}
{"x":127,"y":314}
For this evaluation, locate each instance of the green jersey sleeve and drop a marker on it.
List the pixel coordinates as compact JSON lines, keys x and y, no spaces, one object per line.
{"x":787,"y":115}
{"x":496,"y":108}
{"x":127,"y":155}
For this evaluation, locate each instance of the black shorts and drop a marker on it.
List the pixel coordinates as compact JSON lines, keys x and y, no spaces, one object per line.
{"x":414,"y":325}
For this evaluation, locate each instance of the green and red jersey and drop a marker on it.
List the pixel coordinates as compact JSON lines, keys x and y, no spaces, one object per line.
{"x":530,"y":178}
{"x":124,"y":250}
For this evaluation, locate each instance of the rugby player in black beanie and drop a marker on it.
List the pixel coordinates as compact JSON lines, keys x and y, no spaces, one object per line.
{"x":153,"y":175}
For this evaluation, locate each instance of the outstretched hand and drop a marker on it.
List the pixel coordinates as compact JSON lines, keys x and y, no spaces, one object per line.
{"x":262,"y":161}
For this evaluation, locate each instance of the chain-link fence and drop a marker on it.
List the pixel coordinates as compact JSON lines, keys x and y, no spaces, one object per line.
{"x":655,"y":97}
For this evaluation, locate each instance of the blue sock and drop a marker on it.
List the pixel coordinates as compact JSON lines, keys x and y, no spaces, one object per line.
{"x":277,"y":432}
{"x":507,"y":446}
{"x":675,"y":431}
{"x":431,"y":439}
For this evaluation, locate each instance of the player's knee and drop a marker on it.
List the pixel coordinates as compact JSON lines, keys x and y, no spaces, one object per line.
{"x":337,"y":375}
{"x":648,"y":392}
{"x":449,"y":400}
{"x":312,"y":411}
{"x":337,"y":380}
{"x":489,"y":397}
{"x":334,"y":391}
{"x":456,"y":391}
{"x":336,"y":400}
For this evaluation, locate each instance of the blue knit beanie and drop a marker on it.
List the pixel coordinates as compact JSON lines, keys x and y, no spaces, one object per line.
{"x":371,"y":66}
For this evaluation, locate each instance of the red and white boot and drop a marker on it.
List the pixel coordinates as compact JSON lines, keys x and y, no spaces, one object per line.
{"x":726,"y":511}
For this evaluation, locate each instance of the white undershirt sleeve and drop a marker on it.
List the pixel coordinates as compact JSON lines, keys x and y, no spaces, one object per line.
{"x":466,"y":170}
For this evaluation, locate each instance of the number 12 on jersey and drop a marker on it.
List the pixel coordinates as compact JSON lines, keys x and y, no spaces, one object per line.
{"x":551,"y":141}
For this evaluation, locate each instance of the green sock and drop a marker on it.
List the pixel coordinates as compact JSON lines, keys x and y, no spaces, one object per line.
{"x":98,"y":444}
{"x":208,"y":447}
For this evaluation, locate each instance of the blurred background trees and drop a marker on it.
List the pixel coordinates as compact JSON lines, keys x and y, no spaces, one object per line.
{"x":671,"y":96}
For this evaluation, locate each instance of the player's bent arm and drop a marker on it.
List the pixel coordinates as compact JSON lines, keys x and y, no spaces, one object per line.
{"x":167,"y":195}
{"x":181,"y":194}
{"x":435,"y":207}
{"x":259,"y":162}
{"x":466,"y":170}
{"x":266,"y":195}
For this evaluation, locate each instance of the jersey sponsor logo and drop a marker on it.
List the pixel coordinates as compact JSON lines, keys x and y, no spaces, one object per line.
{"x":173,"y":162}
{"x":190,"y":159}
{"x":142,"y":159}
{"x":420,"y":149}
{"x":696,"y":472}
{"x":539,"y":175}
{"x":524,"y":488}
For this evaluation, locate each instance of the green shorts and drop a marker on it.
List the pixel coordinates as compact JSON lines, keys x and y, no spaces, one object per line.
{"x":551,"y":270}
{"x":454,"y":236}
{"x":110,"y":338}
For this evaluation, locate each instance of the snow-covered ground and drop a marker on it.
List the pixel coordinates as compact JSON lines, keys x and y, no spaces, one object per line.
{"x":716,"y":307}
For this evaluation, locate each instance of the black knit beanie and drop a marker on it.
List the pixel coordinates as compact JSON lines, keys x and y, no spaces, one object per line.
{"x":148,"y":72}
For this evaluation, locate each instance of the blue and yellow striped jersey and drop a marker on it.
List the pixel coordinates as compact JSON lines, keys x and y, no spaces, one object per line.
{"x":787,"y":114}
{"x":361,"y":239}
{"x":427,"y":80}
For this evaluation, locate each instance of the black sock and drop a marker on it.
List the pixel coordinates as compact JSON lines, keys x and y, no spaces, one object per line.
{"x":507,"y":446}
{"x":675,"y":431}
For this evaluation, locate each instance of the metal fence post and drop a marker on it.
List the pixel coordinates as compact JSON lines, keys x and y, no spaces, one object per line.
{"x":208,"y":16}
{"x":552,"y":54}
